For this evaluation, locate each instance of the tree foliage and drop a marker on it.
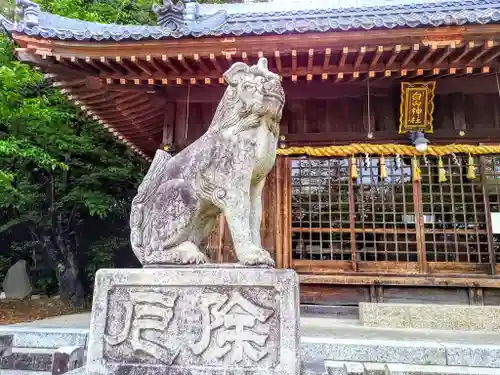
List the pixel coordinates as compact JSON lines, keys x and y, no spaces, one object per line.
{"x":65,"y":183}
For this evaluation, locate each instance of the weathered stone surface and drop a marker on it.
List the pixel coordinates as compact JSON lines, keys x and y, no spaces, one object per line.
{"x":370,"y":368}
{"x":78,"y":371}
{"x":354,"y":368}
{"x":359,"y":350}
{"x":16,"y":284}
{"x":400,"y":369}
{"x":224,"y":171}
{"x":425,"y":316}
{"x":36,"y":337}
{"x":5,"y":345}
{"x":67,"y":358}
{"x":205,"y":320}
{"x":473,"y":355}
{"x":31,"y":360}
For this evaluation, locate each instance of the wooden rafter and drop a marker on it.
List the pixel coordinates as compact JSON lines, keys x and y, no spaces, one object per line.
{"x":111,"y":80}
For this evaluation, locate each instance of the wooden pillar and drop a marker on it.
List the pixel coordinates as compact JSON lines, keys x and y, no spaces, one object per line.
{"x":168,"y":125}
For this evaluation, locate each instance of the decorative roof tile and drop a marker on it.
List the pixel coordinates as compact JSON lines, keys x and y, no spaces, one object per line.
{"x":197,"y":20}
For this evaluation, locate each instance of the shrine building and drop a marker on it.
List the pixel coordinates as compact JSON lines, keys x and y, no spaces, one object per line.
{"x":387,"y":182}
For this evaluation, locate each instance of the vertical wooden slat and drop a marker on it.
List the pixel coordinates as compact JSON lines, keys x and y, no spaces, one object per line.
{"x":352,"y":219}
{"x":419,"y":226}
{"x":487,"y":212}
{"x":269,"y":215}
{"x":169,"y":124}
{"x":286,"y":213}
{"x":181,"y":125}
{"x":279,"y":187}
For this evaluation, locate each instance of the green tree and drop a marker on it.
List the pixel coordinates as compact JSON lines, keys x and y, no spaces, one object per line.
{"x":62,"y":177}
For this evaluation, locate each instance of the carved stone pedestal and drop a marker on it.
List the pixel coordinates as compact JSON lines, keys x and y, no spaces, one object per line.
{"x":196,"y":321}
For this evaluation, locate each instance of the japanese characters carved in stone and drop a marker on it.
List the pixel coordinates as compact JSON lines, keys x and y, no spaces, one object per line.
{"x":195,"y":321}
{"x":224,"y":171}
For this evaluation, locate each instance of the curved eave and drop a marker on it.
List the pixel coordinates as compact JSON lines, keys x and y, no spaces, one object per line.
{"x":222,"y":21}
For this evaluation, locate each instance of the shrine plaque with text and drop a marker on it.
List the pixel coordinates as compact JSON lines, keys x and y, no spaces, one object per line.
{"x":417,"y":107}
{"x":206,"y":320}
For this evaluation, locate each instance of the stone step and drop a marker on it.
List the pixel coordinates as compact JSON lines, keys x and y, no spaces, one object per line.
{"x":414,"y":353}
{"x":423,"y":316}
{"x":54,"y":361}
{"x":24,"y":359}
{"x":369,"y":368}
{"x":45,"y":337}
{"x":24,"y":372}
{"x":323,"y":338}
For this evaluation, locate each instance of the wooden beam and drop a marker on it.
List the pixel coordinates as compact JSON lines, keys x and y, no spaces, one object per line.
{"x":200,"y":63}
{"x":394,"y":56}
{"x":411,"y":54}
{"x":184,"y":63}
{"x":265,"y":43}
{"x":467,"y":48}
{"x":28,"y":56}
{"x":110,"y":64}
{"x":215,"y":63}
{"x":277,"y":58}
{"x":310,"y":57}
{"x":294,"y":61}
{"x":360,"y":57}
{"x":402,"y":280}
{"x":166,"y":60}
{"x":157,"y":65}
{"x":432,"y":49}
{"x":144,"y":66}
{"x":376,"y":57}
{"x":484,"y":49}
{"x":446,"y":53}
{"x":229,"y":59}
{"x":328,"y":56}
{"x":343,"y":57}
{"x":492,"y":57}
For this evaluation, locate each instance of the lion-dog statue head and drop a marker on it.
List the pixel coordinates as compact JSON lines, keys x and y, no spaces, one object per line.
{"x":223,"y":171}
{"x":253,"y":93}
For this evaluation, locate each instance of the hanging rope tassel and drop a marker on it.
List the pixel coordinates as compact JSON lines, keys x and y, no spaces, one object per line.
{"x":442,"y":171}
{"x":383,"y":168}
{"x":354,"y":168}
{"x":415,"y":169}
{"x":471,"y":169}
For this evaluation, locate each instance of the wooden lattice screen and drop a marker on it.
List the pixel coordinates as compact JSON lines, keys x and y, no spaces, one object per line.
{"x":393,"y":224}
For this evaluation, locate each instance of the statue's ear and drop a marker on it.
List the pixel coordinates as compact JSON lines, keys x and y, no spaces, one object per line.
{"x":262,"y":63}
{"x":235,"y":72}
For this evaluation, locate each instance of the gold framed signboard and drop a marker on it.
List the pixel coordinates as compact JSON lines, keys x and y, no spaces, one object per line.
{"x":417,"y":107}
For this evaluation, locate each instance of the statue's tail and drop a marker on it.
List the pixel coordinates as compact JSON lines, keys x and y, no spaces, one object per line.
{"x":140,"y":231}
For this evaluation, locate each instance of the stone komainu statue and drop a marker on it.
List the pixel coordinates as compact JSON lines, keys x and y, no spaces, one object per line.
{"x":224,"y":171}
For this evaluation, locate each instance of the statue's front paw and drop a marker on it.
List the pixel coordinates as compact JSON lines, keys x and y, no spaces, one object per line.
{"x":255,"y":256}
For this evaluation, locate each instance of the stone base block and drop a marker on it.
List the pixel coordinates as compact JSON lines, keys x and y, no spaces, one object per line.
{"x":196,"y":321}
{"x":369,"y":368}
{"x":425,"y":316}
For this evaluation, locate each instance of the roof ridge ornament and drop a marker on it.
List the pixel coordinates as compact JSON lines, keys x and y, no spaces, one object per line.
{"x":29,"y":11}
{"x":170,"y":15}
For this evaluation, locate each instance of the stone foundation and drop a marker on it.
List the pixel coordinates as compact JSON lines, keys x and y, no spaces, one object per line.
{"x":442,"y":317}
{"x":206,"y":320}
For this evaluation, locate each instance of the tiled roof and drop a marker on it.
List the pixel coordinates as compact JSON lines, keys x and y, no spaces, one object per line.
{"x":193,"y":19}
